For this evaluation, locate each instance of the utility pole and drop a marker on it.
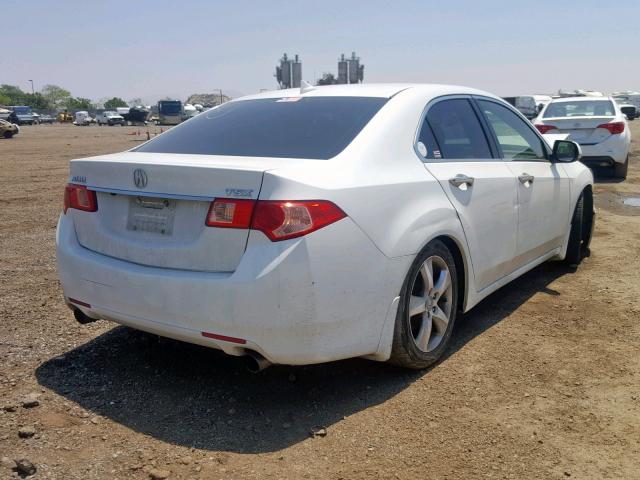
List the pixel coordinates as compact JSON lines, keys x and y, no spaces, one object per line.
{"x":221,"y":97}
{"x":33,"y":92}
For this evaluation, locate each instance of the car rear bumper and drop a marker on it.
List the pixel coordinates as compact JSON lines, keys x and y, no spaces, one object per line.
{"x":319,"y":298}
{"x":611,"y":150}
{"x":595,"y":161}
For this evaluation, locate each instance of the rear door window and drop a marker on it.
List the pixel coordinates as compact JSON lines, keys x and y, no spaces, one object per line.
{"x":457,"y":130}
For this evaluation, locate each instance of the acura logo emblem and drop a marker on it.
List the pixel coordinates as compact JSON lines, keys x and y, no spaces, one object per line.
{"x":139,"y":178}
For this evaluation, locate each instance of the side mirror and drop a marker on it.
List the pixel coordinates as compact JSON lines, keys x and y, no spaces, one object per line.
{"x":566,"y":151}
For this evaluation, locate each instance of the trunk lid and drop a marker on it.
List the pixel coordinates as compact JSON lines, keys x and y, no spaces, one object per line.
{"x":152,"y":207}
{"x":582,"y":130}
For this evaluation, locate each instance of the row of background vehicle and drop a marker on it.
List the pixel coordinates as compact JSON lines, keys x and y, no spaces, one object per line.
{"x":166,"y":112}
{"x":531,"y":105}
{"x":173,"y":112}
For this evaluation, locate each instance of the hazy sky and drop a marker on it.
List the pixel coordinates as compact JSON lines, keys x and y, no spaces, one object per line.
{"x":157,"y":48}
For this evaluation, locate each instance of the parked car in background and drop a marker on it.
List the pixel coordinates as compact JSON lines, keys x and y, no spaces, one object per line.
{"x":109,"y":118}
{"x":82,"y":118}
{"x":47,"y":119}
{"x":135,"y":115}
{"x":24,"y":115}
{"x":630,"y":111}
{"x":8,"y":129}
{"x":525,"y":104}
{"x":541,"y":101}
{"x":36,"y":118}
{"x":233,"y":231}
{"x":627,"y":98}
{"x":597,"y":124}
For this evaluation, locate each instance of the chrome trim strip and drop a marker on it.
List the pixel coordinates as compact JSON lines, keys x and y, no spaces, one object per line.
{"x":151,"y":194}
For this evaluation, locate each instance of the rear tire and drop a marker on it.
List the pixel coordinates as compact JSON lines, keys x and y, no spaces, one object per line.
{"x":427,"y":309}
{"x":620,"y":169}
{"x":7,"y":134}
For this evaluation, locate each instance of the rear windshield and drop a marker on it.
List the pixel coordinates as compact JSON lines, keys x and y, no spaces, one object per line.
{"x":585,"y":108}
{"x":297,"y":127}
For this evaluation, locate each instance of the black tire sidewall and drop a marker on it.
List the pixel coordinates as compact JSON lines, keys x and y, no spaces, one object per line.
{"x":620,"y":169}
{"x":574,"y":247}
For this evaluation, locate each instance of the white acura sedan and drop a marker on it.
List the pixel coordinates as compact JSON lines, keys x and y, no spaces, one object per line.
{"x":304,"y":226}
{"x":597,"y":124}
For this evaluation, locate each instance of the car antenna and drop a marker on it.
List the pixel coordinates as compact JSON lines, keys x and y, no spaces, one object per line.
{"x":306,"y":87}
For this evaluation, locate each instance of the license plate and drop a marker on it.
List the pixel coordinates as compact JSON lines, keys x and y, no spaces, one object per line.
{"x":155,"y":215}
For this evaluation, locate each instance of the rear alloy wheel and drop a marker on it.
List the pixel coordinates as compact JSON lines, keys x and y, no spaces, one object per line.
{"x":620,"y":169}
{"x":427,"y":309}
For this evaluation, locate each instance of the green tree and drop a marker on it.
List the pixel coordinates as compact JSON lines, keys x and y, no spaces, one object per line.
{"x":13,"y":93}
{"x":114,"y":102}
{"x":36,"y":101}
{"x":78,"y":103}
{"x":55,"y":95}
{"x":4,"y":100}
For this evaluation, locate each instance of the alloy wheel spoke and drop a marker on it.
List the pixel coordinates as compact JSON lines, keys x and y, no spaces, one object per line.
{"x":442,"y":284}
{"x":427,"y":274}
{"x":417,"y":305}
{"x":440,"y":319}
{"x":424,"y":334}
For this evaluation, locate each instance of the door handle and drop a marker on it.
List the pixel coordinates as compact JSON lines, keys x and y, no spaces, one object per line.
{"x":461,"y":181}
{"x":526,"y":178}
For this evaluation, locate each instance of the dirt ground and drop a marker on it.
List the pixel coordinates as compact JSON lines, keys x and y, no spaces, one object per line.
{"x":542,"y":380}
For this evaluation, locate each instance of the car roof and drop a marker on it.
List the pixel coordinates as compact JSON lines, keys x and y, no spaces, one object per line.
{"x":378,"y":90}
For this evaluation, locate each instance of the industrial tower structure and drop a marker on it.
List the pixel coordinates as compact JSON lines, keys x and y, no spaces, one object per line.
{"x":350,"y":70}
{"x":289,"y":73}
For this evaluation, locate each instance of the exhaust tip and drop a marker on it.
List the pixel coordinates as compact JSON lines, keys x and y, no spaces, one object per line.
{"x":255,"y":362}
{"x":82,"y":318}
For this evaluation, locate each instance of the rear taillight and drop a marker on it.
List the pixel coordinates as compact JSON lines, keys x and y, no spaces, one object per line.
{"x":230,"y":213}
{"x":80,"y":198}
{"x":545,"y":128}
{"x":615,"y":128}
{"x":278,"y":220}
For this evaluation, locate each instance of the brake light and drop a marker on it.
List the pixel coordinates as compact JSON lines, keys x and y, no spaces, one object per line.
{"x":615,"y":128}
{"x":278,"y":220}
{"x":80,"y":198}
{"x":545,"y":128}
{"x":281,"y":220}
{"x":230,"y":213}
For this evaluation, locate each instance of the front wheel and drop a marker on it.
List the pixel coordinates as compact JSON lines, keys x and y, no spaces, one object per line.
{"x":7,"y":134}
{"x":582,"y":224}
{"x":427,"y":309}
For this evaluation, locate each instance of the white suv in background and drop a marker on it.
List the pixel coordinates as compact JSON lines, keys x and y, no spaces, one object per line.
{"x":596,"y":124}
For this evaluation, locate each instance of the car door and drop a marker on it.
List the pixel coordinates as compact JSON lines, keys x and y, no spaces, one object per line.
{"x":543,"y":187}
{"x":456,"y":151}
